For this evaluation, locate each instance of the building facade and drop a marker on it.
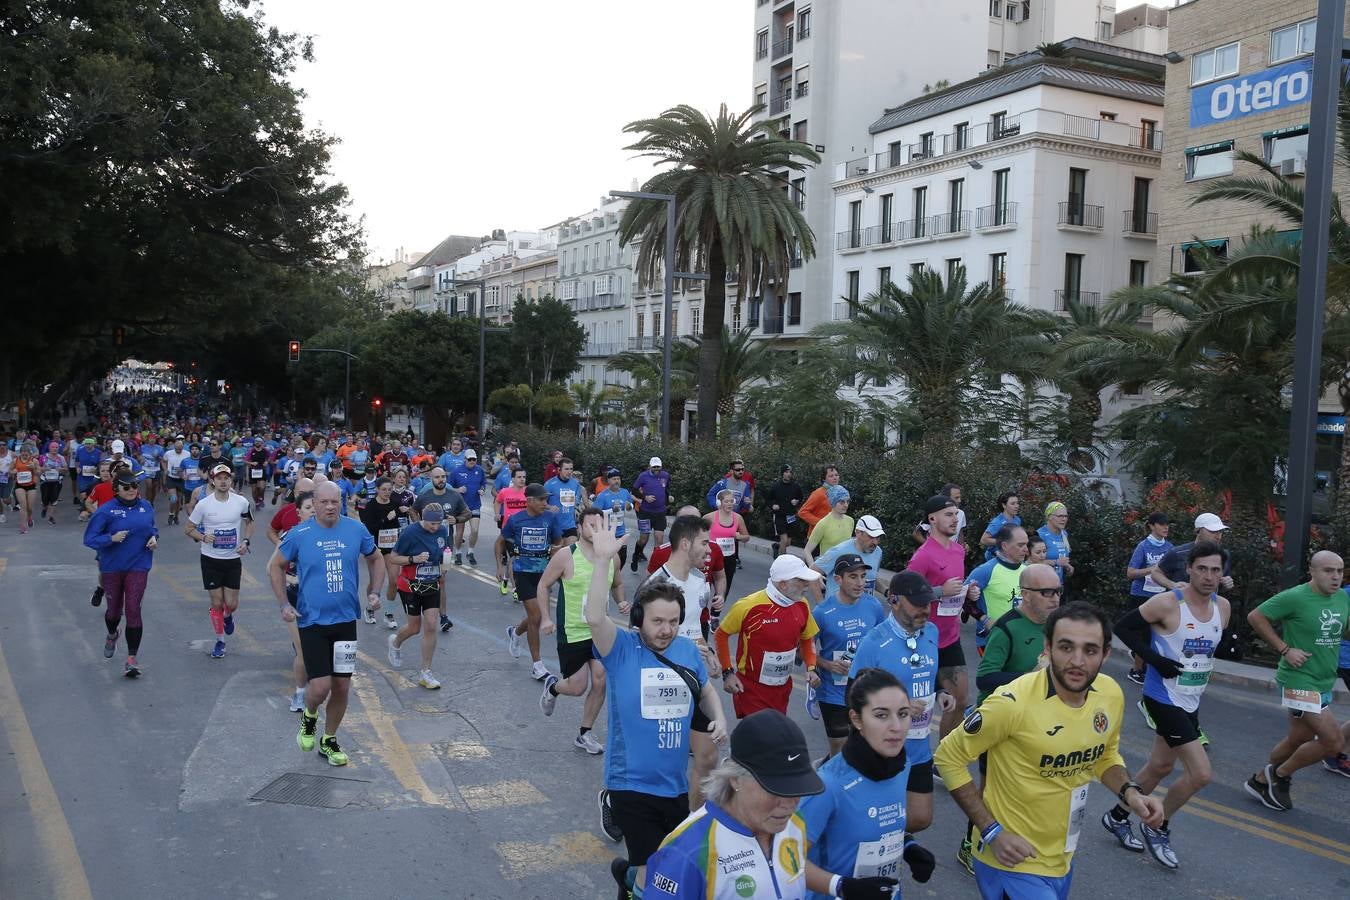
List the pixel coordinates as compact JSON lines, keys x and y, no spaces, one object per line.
{"x":595,"y":280}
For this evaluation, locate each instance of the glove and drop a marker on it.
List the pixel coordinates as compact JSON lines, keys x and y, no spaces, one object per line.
{"x":968,"y":609}
{"x":921,"y":862}
{"x":875,"y":888}
{"x":1165,"y":666}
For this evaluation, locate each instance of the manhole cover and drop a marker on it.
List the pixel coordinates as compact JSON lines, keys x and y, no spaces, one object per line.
{"x":323,"y":791}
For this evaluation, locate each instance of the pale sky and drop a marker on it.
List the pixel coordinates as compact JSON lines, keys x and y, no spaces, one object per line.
{"x":461,"y":116}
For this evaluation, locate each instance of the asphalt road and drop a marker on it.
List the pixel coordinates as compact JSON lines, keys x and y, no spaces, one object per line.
{"x":116,"y":789}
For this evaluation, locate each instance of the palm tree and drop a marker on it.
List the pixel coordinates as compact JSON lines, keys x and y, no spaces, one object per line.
{"x":642,"y":400}
{"x":743,"y":360}
{"x":731,"y":177}
{"x":948,"y":344}
{"x":591,"y":401}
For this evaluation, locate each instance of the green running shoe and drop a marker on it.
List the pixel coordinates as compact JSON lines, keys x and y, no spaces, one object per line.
{"x":305,"y":738}
{"x":964,"y":857}
{"x":332,"y":752}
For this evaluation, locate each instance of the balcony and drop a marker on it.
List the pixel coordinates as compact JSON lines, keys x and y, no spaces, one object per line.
{"x":951,"y":224}
{"x":782,"y":48}
{"x":997,"y":216}
{"x":849,"y":240}
{"x":772,"y":325}
{"x":1141,"y":224}
{"x":1075,"y":214}
{"x":843,"y":311}
{"x":420,"y":277}
{"x":1084,"y":298}
{"x":761,"y":52}
{"x":780,"y":103}
{"x":646,"y":342}
{"x":594,"y":350}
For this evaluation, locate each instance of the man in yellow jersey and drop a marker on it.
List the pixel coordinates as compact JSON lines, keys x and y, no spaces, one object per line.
{"x":1048,"y":734}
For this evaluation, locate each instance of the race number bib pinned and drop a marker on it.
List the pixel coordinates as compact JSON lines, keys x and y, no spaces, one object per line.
{"x":727,"y":545}
{"x":23,"y":477}
{"x":880,"y":858}
{"x":775,"y":667}
{"x":387,"y":538}
{"x":1302,"y":701}
{"x":664,"y":694}
{"x":344,"y":657}
{"x":225,"y":539}
{"x":88,"y":471}
{"x":1077,"y":814}
{"x":255,"y":474}
{"x":427,"y":572}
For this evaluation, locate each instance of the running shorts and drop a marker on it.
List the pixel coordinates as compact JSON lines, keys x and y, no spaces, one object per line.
{"x":572,"y":658}
{"x":649,"y":522}
{"x":921,"y":778}
{"x":527,"y":584}
{"x":415,"y":603}
{"x":221,"y":573}
{"x":1008,"y":885}
{"x":758,"y":696}
{"x":329,"y":650}
{"x":835,"y":718}
{"x":646,"y":819}
{"x":952,"y":656}
{"x":1172,"y":723}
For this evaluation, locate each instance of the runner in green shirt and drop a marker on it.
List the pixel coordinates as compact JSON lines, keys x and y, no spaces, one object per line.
{"x":1313,"y":618}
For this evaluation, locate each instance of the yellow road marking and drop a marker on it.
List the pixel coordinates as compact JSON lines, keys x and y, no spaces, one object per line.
{"x":574,"y":848}
{"x":1263,"y":831}
{"x":250,"y":643}
{"x":64,"y":866}
{"x":391,"y":748}
{"x":504,"y":793}
{"x":1267,"y":823}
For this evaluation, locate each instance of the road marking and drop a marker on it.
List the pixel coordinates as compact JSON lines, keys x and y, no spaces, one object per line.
{"x":1263,"y":831}
{"x":574,"y":848}
{"x":1266,"y":823}
{"x":250,"y":643}
{"x":391,"y":748}
{"x":504,"y":793}
{"x":64,"y":866}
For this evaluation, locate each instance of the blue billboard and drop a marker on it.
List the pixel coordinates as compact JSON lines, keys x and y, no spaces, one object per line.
{"x":1247,"y":95}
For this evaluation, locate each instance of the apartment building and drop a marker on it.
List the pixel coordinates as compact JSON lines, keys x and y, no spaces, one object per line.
{"x":595,"y":280}
{"x":455,"y":290}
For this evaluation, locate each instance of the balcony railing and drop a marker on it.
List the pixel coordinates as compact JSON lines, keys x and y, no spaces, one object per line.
{"x":780,"y":103}
{"x":646,"y":342}
{"x":849,"y":240}
{"x":999,"y":215}
{"x":783,"y":47}
{"x":772,"y":324}
{"x":952,"y":222}
{"x":1077,"y":214}
{"x":594,"y":349}
{"x":843,"y":311}
{"x":1141,"y":222}
{"x":1086,"y":298}
{"x":761,"y":52}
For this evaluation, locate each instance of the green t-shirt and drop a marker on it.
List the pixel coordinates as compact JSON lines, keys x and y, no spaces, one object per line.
{"x":830,"y":531}
{"x":1313,"y":623}
{"x":1015,"y":645}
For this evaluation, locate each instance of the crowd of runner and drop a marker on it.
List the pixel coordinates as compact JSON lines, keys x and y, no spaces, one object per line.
{"x":705,"y":809}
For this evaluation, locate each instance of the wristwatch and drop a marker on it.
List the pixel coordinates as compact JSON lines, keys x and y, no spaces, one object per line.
{"x":727,"y":672}
{"x":1120,"y":795}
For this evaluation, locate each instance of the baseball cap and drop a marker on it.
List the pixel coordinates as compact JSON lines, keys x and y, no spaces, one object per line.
{"x":654,"y":461}
{"x":870,"y":526}
{"x":433,"y":512}
{"x":786,"y":468}
{"x":218,"y":468}
{"x":913,"y":587}
{"x":788,"y":567}
{"x":470,"y":454}
{"x":89,"y":440}
{"x":847,"y":562}
{"x":611,"y":472}
{"x":124,"y":479}
{"x":772,"y":748}
{"x":1210,"y":522}
{"x":937,"y":503}
{"x":119,"y":447}
{"x":536,"y":490}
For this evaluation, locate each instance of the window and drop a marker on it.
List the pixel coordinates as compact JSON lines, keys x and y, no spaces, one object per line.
{"x":1209,"y":161}
{"x":1194,"y":254}
{"x":887,"y":216}
{"x":1290,"y":143}
{"x":998,"y":271}
{"x":762,"y":44}
{"x":956,"y":195}
{"x":794,"y":312}
{"x":1220,"y":62}
{"x":995,"y":9}
{"x":1148,"y":135}
{"x":1293,"y":40}
{"x":736,"y":318}
{"x":925,"y":144}
{"x":799,"y":131}
{"x":883,"y":277}
{"x":1104,"y":31}
{"x":851,"y":285}
{"x":1107,"y":116}
{"x":1001,"y":187}
{"x":855,"y":224}
{"x":953,"y":269}
{"x":1073,"y":275}
{"x":656,"y":323}
{"x":961,"y":135}
{"x":761,"y":96}
{"x":991,"y":61}
{"x":920,"y":210}
{"x":803,"y":81}
{"x":897,"y":149}
{"x":1139,"y":216}
{"x":1138,"y":272}
{"x":804,"y":24}
{"x":1077,"y":196}
{"x":916,"y":269}
{"x":696,"y":321}
{"x":609,"y":249}
{"x":755,"y":304}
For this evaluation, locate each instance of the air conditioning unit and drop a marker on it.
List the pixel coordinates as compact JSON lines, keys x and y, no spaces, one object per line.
{"x":1298,"y":165}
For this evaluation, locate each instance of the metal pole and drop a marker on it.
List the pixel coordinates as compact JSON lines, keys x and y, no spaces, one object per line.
{"x":482,"y":358}
{"x":670,"y":303}
{"x":347,"y":403}
{"x":1312,"y":282}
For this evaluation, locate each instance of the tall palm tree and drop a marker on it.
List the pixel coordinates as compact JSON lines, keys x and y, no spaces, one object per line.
{"x":743,"y":360}
{"x":591,"y":401}
{"x":731,"y":177}
{"x":945,"y":342}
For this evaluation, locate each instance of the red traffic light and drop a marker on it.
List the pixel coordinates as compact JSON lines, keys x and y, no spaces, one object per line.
{"x":295,"y":351}
{"x":377,"y":403}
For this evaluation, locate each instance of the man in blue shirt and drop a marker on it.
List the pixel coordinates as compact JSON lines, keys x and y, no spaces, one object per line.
{"x":866,"y":542}
{"x":736,"y":482}
{"x":531,"y":536}
{"x":1147,"y":554}
{"x":845,"y":618}
{"x":565,"y":497}
{"x":615,"y":501}
{"x":453,"y":458}
{"x":468,"y":481}
{"x":326,"y":551}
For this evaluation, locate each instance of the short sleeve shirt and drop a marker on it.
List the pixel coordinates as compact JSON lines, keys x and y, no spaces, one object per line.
{"x":327,"y":562}
{"x":222,"y":521}
{"x":937,"y":564}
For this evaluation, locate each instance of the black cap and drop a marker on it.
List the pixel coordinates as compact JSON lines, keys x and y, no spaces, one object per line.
{"x":913,"y":587}
{"x":847,"y":562}
{"x":611,"y":472}
{"x":536,"y":490}
{"x":124,"y":480}
{"x":773,"y":749}
{"x":937,"y":503}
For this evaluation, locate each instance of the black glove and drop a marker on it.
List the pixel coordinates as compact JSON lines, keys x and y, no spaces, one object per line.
{"x":921,"y":862}
{"x":1165,"y":665}
{"x":875,"y":888}
{"x":968,"y":609}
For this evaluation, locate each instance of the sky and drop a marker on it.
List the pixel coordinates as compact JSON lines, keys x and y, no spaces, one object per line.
{"x":461,"y":116}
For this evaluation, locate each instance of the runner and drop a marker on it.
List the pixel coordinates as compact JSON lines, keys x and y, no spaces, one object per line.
{"x":532,"y":534}
{"x":906,"y":646}
{"x":652,"y":677}
{"x":53,"y":465}
{"x":653,"y":491}
{"x":87,"y":459}
{"x":1170,"y":571}
{"x":572,"y":572}
{"x":817,"y":506}
{"x":1047,"y":734}
{"x":26,"y":472}
{"x":1313,"y":618}
{"x":123,"y":536}
{"x":1139,"y":571}
{"x":845,"y":617}
{"x":734,"y":481}
{"x":469,"y":480}
{"x":615,"y":500}
{"x":150,"y":454}
{"x":215,"y":523}
{"x":866,"y":543}
{"x":381,"y":518}
{"x":714,"y":570}
{"x":998,"y":580}
{"x":728,"y":530}
{"x":326,"y":550}
{"x":1056,"y":538}
{"x":301,"y":509}
{"x":834,"y":528}
{"x":508,"y":501}
{"x":771,"y":626}
{"x":1009,"y":513}
{"x":785,"y":498}
{"x":256,"y":462}
{"x":565,"y":495}
{"x":416,"y":558}
{"x":456,"y":511}
{"x":173,"y":477}
{"x":194,"y":476}
{"x":6,"y":484}
{"x":1176,"y":634}
{"x":453,"y":457}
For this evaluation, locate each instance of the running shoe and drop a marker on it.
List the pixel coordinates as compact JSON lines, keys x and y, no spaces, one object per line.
{"x":97,"y":599}
{"x":395,"y":654}
{"x":30,"y":521}
{"x":23,"y":529}
{"x":390,"y":622}
{"x":51,"y":520}
{"x":1143,"y":711}
{"x":131,"y":669}
{"x":305,"y":737}
{"x":2,"y":516}
{"x":1159,"y":842}
{"x":1340,"y":764}
{"x":589,"y":744}
{"x":607,"y":823}
{"x":370,"y":616}
{"x":446,"y":624}
{"x":964,"y":857}
{"x":1202,"y":737}
{"x":1123,"y":831}
{"x":459,"y":559}
{"x":298,"y":700}
{"x":329,"y":749}
{"x":110,"y":645}
{"x":473,"y":560}
{"x":505,"y":587}
{"x":548,"y":700}
{"x":512,"y":642}
{"x":1262,"y":791}
{"x":812,"y":706}
{"x":538,"y":671}
{"x":633,"y":563}
{"x":618,"y":870}
{"x":218,"y":651}
{"x":427,"y":680}
{"x":1279,"y":788}
{"x":229,"y":624}
{"x":1135,"y":676}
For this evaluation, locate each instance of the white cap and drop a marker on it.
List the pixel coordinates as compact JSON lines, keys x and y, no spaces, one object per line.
{"x":1210,"y":522}
{"x":654,"y":461}
{"x":870,"y":525}
{"x":788,"y":567}
{"x":119,"y":447}
{"x":470,"y":454}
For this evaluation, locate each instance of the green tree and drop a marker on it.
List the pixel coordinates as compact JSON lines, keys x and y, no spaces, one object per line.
{"x":642,"y":399}
{"x":592,"y":402}
{"x":551,"y":403}
{"x":546,"y":341}
{"x":742,"y":360}
{"x":731,"y":177}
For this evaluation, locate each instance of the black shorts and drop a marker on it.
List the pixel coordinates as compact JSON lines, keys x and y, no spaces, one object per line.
{"x":317,"y":644}
{"x":782,"y":526}
{"x":655,"y":522}
{"x":1345,"y":677}
{"x":1172,"y":723}
{"x":572,"y":658}
{"x":835,"y":719}
{"x":221,"y":573}
{"x":951,"y":656}
{"x":921,"y":778}
{"x":646,"y":820}
{"x":415,"y":603}
{"x":700,"y":722}
{"x":623,"y":555}
{"x":569,"y":533}
{"x":527,"y":584}
{"x":175,"y":484}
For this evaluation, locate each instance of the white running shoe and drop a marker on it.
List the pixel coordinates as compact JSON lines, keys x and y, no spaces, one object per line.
{"x":538,"y":672}
{"x":298,"y":700}
{"x":548,"y":700}
{"x":370,"y":616}
{"x":390,"y":622}
{"x":395,"y":653}
{"x":513,"y":642}
{"x":428,"y":680}
{"x":589,"y":744}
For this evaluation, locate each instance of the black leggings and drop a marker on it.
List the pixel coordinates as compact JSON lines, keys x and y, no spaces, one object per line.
{"x":729,"y":567}
{"x":51,"y":492}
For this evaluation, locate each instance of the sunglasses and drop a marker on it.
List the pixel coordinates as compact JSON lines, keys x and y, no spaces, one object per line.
{"x":913,"y":645}
{"x":1046,"y":592}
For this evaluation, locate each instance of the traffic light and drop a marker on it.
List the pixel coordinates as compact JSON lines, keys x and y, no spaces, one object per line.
{"x":295,"y":351}
{"x":376,"y":404}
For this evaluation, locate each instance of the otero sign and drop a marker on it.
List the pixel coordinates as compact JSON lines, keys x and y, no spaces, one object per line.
{"x":1247,"y":95}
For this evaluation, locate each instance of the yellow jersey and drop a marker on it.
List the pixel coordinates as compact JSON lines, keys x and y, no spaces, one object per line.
{"x":1043,"y":755}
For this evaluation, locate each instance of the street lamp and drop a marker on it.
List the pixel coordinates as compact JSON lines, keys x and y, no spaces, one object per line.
{"x":482,"y":347}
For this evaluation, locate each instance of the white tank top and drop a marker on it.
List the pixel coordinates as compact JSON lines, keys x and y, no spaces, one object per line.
{"x":1193,"y":645}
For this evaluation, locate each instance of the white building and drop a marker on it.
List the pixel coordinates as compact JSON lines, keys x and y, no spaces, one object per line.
{"x":595,"y":279}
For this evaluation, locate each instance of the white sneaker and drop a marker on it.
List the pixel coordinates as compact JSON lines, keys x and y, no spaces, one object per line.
{"x":538,"y":672}
{"x":589,"y":744}
{"x":298,"y":700}
{"x":428,"y":681}
{"x":370,"y":616}
{"x":390,"y":622}
{"x":395,"y":653}
{"x":513,"y":642}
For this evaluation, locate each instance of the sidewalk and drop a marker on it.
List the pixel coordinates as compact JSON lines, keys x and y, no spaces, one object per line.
{"x":1237,"y":674}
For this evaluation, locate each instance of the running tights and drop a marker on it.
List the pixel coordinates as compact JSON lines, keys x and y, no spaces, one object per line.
{"x":124,"y":589}
{"x":51,"y":492}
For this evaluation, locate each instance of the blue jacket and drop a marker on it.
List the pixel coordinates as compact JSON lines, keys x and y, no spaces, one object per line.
{"x":131,"y":554}
{"x":742,"y":506}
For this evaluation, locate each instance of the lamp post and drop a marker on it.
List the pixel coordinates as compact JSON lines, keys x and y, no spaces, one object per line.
{"x":482,"y":347}
{"x":1329,"y":57}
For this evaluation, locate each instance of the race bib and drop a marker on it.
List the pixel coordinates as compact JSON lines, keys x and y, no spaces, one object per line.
{"x":775,"y":667}
{"x":175,"y":471}
{"x":920,"y":725}
{"x":727,"y":545}
{"x":427,"y":572}
{"x":23,"y":477}
{"x":842,"y":656}
{"x":88,"y":471}
{"x":880,"y":858}
{"x":791,"y":519}
{"x":255,"y":474}
{"x":1077,"y":814}
{"x":1303,"y":701}
{"x":664,"y":694}
{"x":567,"y":498}
{"x":1151,"y":586}
{"x":951,"y":606}
{"x":1194,"y":675}
{"x":644,"y":526}
{"x":386,"y":538}
{"x":344,"y":657}
{"x":51,"y":475}
{"x":225,"y":538}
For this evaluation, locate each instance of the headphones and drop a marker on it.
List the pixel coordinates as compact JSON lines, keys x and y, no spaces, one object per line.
{"x":635,"y":611}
